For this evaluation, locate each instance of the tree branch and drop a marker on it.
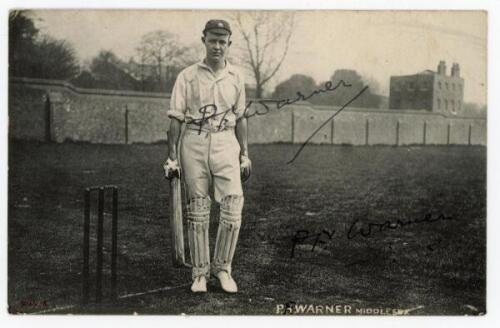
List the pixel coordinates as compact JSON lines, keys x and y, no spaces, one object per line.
{"x":287,"y":45}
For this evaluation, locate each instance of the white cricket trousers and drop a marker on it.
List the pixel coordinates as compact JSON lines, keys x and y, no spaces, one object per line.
{"x":211,"y":157}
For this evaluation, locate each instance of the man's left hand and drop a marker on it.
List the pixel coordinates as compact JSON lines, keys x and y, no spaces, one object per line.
{"x":172,"y":169}
{"x":246,"y":167}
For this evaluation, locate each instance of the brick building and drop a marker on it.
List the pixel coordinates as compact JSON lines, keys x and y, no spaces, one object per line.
{"x":428,"y":90}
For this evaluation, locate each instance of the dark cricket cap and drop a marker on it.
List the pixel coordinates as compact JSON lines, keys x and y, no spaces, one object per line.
{"x":217,"y":26}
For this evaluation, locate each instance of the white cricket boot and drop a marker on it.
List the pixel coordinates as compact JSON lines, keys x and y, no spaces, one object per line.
{"x":227,"y":238}
{"x":227,"y":282}
{"x":199,"y":285}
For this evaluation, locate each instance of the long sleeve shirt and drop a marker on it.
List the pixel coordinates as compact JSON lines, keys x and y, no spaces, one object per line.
{"x":200,"y":96}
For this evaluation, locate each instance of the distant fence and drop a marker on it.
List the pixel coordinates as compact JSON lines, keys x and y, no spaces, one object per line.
{"x":58,"y":111}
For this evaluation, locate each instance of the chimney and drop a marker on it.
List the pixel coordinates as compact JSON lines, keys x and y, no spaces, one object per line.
{"x":442,"y":68}
{"x":455,"y":70}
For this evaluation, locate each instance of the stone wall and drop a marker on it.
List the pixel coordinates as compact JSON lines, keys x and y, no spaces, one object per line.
{"x":96,"y":116}
{"x":44,"y":109}
{"x":357,"y":127}
{"x":28,"y":113}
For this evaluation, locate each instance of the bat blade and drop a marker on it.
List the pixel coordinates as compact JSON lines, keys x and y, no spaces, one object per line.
{"x":178,"y":259}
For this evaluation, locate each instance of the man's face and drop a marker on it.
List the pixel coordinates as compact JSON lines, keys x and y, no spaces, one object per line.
{"x":217,"y":46}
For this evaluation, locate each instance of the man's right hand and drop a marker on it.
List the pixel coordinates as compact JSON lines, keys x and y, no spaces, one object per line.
{"x":246,"y":167}
{"x":172,"y":169}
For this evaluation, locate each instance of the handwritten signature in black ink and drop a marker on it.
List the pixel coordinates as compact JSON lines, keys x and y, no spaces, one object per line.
{"x":210,"y":110}
{"x":366,"y":230}
{"x":358,"y":229}
{"x":302,"y":235}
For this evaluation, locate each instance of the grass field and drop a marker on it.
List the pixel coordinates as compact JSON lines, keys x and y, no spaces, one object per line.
{"x":430,"y":267}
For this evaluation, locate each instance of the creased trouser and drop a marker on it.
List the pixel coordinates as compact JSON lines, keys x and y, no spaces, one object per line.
{"x":212,"y":158}
{"x":208,"y":157}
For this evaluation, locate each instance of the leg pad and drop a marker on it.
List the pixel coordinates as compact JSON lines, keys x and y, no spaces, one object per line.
{"x":228,"y":231}
{"x":198,"y":214}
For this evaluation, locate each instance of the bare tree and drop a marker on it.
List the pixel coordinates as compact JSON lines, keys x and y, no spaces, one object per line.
{"x":161,"y":49}
{"x":190,"y":54}
{"x":266,"y":38}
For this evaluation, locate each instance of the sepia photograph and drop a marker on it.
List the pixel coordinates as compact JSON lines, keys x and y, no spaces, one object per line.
{"x":247,"y":162}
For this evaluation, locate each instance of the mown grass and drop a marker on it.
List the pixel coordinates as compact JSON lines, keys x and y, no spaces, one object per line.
{"x":439,"y":266}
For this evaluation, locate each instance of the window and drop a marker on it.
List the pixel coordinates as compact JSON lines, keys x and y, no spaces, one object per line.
{"x":458,"y":105}
{"x":439,"y":84}
{"x":411,"y":85}
{"x":439,"y":103}
{"x":446,"y":85}
{"x":453,"y":106}
{"x":446,"y":104}
{"x":453,"y":86}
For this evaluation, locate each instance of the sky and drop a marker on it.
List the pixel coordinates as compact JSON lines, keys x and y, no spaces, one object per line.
{"x":376,"y":44}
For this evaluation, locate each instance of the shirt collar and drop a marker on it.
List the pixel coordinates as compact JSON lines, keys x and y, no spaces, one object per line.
{"x":229,"y":68}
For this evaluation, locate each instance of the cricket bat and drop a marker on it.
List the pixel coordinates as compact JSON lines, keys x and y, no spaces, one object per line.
{"x":176,"y":223}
